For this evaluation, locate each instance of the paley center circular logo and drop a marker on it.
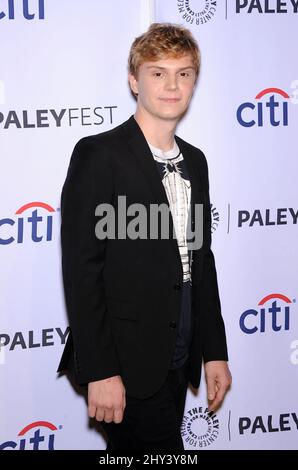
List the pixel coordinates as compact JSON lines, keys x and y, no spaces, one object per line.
{"x":214,"y":218}
{"x":200,"y":427}
{"x":197,"y":12}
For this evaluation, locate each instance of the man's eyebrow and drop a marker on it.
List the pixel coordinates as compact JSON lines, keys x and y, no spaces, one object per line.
{"x":164,"y":68}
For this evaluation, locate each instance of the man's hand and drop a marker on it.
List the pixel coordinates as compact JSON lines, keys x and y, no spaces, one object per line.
{"x":219,"y":379}
{"x":106,"y":399}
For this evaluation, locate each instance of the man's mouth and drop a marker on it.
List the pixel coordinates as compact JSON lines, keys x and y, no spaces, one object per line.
{"x":170,"y":100}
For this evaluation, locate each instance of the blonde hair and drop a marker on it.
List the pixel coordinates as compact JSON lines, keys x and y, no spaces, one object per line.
{"x":163,"y":40}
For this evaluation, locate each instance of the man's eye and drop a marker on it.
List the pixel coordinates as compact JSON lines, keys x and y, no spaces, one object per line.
{"x":157,"y":74}
{"x":185,"y":74}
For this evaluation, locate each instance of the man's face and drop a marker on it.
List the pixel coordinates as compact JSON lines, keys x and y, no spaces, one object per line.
{"x":165,"y":86}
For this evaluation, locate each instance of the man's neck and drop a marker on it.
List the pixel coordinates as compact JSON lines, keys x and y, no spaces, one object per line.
{"x":158,"y":132}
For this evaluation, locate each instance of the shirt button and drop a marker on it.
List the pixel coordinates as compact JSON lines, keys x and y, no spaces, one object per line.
{"x":173,"y":324}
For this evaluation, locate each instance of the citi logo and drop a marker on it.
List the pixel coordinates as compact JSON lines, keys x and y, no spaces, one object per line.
{"x":32,"y":436}
{"x":28,"y":224}
{"x":29,"y":10}
{"x":273,"y":315}
{"x":271,"y":107}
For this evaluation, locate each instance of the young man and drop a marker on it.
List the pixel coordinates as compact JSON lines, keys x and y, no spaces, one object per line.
{"x":144,"y":311}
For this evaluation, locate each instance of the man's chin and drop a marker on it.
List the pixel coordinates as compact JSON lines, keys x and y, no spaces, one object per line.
{"x":170,"y":116}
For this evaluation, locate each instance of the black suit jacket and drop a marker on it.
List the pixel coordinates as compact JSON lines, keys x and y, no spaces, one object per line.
{"x":123,"y":296}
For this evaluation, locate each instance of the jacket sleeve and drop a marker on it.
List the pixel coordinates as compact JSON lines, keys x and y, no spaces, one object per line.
{"x":89,"y":182}
{"x":212,"y":324}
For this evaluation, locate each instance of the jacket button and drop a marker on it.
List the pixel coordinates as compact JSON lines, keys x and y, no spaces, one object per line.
{"x":173,"y":324}
{"x":177,"y":286}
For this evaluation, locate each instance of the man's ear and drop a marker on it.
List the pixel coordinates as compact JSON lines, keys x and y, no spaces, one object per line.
{"x":133,"y":83}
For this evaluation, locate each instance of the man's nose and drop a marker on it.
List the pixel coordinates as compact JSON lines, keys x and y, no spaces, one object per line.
{"x":171,"y":82}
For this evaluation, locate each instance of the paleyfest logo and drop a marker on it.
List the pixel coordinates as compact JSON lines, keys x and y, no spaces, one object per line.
{"x":266,"y":6}
{"x":198,"y":12}
{"x":12,"y":118}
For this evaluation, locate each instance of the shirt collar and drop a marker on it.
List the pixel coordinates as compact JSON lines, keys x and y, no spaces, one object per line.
{"x":172,"y":153}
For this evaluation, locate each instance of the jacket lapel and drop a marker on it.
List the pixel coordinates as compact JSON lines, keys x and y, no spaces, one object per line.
{"x":144,"y":160}
{"x":193,"y":170}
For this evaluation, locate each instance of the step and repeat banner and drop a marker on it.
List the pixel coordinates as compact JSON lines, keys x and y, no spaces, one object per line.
{"x":244,"y":116}
{"x":63,"y":76}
